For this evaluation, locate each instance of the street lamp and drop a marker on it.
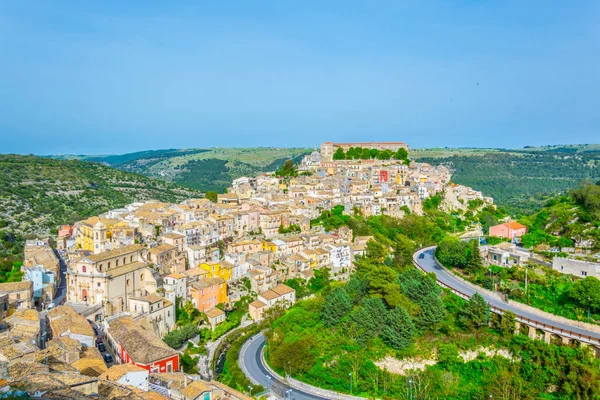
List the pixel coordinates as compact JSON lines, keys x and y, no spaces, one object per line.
{"x":350,"y":375}
{"x":589,"y":300}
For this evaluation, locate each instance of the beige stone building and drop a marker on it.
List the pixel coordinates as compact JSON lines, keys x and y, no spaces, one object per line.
{"x":19,"y":293}
{"x":111,"y":278}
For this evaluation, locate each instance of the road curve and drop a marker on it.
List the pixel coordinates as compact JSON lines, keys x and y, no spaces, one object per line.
{"x":253,"y":366}
{"x":425,"y":260}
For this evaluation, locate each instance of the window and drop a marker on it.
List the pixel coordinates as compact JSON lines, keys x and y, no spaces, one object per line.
{"x":109,"y":265}
{"x":128,"y":282}
{"x":18,"y":296}
{"x":124,"y":260}
{"x":100,"y":267}
{"x":98,"y":284}
{"x":142,"y":276}
{"x":561,"y":267}
{"x":131,"y":259}
{"x":583,"y":273}
{"x":83,"y":269}
{"x":116,"y":263}
{"x":169,"y":313}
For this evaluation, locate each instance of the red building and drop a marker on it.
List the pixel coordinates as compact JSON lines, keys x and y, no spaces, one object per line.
{"x":383,"y":176}
{"x":133,"y":344}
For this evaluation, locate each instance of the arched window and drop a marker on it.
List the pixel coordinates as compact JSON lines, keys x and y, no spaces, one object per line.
{"x":131,"y":259}
{"x":100,"y":268}
{"x":117,"y":263}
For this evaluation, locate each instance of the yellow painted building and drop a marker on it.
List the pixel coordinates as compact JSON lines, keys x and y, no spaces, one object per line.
{"x":93,"y":233}
{"x":220,"y":269}
{"x":269,"y":246}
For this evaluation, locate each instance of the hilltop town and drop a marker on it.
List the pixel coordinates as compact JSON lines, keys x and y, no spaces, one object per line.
{"x":113,"y":303}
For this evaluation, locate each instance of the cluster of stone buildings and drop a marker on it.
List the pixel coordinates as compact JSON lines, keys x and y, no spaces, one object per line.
{"x":68,"y":364}
{"x":128,"y":267}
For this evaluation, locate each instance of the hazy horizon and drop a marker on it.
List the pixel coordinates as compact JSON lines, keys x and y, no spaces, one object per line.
{"x":115,"y":78}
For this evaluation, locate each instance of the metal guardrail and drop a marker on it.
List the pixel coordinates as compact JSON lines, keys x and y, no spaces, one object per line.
{"x":524,"y":320}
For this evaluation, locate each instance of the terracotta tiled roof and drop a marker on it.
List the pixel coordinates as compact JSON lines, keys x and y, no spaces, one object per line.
{"x":282,"y":289}
{"x":269,"y":295}
{"x":207,"y":282}
{"x":11,"y":287}
{"x":142,"y":345}
{"x":257,"y":304}
{"x":194,"y":389}
{"x":115,"y":253}
{"x":163,"y":248}
{"x":64,"y":318}
{"x":214,"y":313}
{"x":125,"y":269}
{"x":117,"y":371}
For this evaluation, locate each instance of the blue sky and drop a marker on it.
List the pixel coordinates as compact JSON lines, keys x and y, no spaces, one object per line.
{"x":84,"y":77}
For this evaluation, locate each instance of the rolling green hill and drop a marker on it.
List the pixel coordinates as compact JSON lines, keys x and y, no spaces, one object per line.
{"x":567,"y":219}
{"x":205,"y":169}
{"x":521,"y":180}
{"x":38,"y":194}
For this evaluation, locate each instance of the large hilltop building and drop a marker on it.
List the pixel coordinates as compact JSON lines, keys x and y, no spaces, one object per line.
{"x":328,"y":148}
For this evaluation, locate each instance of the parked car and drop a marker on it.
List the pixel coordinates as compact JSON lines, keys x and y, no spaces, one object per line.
{"x":422,"y":255}
{"x":108,"y":358}
{"x":98,"y":341}
{"x":101,"y":347}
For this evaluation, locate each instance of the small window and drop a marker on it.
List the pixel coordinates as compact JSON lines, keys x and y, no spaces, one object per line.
{"x":584,"y":273}
{"x":131,"y":259}
{"x":18,"y":296}
{"x":561,"y":267}
{"x":116,"y":263}
{"x":83,"y":269}
{"x":142,"y":277}
{"x":124,"y":260}
{"x":99,"y":284}
{"x":128,"y":282}
{"x":100,"y":267}
{"x":109,"y":265}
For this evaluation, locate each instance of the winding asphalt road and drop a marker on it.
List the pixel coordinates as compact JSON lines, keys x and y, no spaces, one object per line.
{"x":257,"y":371}
{"x":425,"y":260}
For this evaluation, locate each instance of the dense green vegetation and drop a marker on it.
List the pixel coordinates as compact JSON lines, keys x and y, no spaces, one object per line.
{"x":522,"y":180}
{"x":388,"y":308}
{"x":149,"y":157}
{"x":211,"y":174}
{"x":567,"y":220}
{"x":205,"y":169}
{"x":362,"y":153}
{"x":287,"y":169}
{"x":39,"y":194}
